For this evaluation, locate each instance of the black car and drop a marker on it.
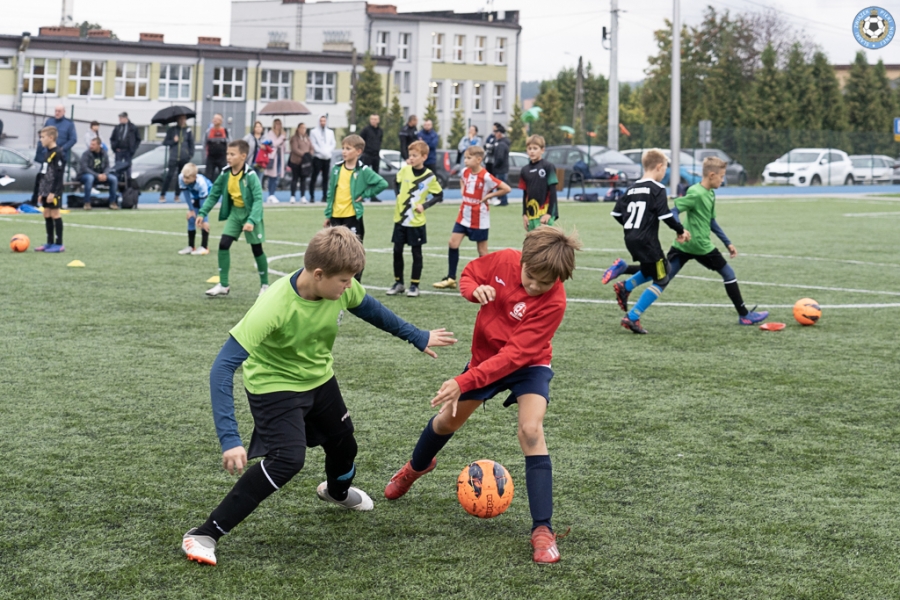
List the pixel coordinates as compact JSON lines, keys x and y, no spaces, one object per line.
{"x":149,"y":169}
{"x":735,"y":174}
{"x":565,"y":157}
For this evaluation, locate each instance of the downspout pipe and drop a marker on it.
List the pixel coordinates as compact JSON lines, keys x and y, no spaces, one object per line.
{"x":20,"y":69}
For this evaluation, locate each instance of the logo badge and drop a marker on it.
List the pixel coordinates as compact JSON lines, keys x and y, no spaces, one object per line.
{"x":500,"y":281}
{"x":518,"y":311}
{"x":874,"y":28}
{"x":542,"y":173}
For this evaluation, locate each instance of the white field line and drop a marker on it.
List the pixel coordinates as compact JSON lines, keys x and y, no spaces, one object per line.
{"x":895,"y":213}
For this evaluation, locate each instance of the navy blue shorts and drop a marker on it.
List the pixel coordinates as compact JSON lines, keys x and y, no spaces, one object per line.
{"x":527,"y":380}
{"x":476,"y":235}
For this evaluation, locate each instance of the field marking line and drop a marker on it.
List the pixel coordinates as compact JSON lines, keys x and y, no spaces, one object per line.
{"x":894,"y":213}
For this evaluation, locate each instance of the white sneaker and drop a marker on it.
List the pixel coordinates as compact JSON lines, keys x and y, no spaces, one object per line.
{"x":186,"y":250}
{"x":495,"y":202}
{"x":201,"y":251}
{"x":218,"y":290}
{"x":303,"y":199}
{"x":293,"y":200}
{"x":199,"y":548}
{"x":356,"y":498}
{"x":263,"y":288}
{"x":272,"y":199}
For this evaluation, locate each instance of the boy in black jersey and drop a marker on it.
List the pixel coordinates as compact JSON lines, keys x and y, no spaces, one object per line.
{"x":538,"y":179}
{"x":639,"y":210}
{"x":50,"y":190}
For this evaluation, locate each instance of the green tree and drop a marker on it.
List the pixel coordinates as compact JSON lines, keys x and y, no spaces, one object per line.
{"x":516,"y":129}
{"x":551,"y":114}
{"x":369,"y":94}
{"x":457,"y":128}
{"x":767,"y":107}
{"x":803,"y":114}
{"x":832,"y":106}
{"x":84,"y":27}
{"x":860,"y":94}
{"x":393,"y":124}
{"x":432,"y":115}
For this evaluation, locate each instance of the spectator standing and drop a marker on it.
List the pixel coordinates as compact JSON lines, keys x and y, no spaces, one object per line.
{"x":93,"y":168}
{"x":323,"y":144}
{"x":501,"y":160}
{"x":254,"y":140}
{"x":372,"y":134}
{"x":66,"y":138}
{"x":430,"y":137}
{"x":408,"y":134}
{"x":124,"y":142}
{"x":470,"y":139}
{"x":275,"y":171}
{"x":489,"y":144}
{"x":300,"y":162}
{"x":180,"y":141}
{"x":217,"y":139}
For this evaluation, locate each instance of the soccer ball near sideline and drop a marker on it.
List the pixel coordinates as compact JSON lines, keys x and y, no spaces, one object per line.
{"x":807,"y":311}
{"x":19,"y":243}
{"x":484,"y":489}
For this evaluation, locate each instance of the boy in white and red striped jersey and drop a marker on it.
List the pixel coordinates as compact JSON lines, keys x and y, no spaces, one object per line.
{"x":474,"y":219}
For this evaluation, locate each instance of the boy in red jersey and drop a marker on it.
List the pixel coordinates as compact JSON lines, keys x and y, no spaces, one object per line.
{"x":474,"y":219}
{"x":522,"y":304}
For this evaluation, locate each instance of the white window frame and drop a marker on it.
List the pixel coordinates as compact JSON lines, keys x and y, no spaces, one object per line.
{"x":229,"y":88}
{"x":407,"y":76}
{"x":436,"y":91}
{"x":500,"y":47}
{"x":6,"y":62}
{"x":404,"y":41}
{"x":437,"y":47}
{"x":480,"y":49}
{"x":499,"y":98}
{"x":382,"y":43}
{"x":478,"y":97}
{"x":398,"y":79}
{"x":457,"y":89}
{"x":459,"y":48}
{"x":139,"y":77}
{"x":327,"y":86}
{"x":282,"y":89}
{"x":78,"y":78}
{"x":30,"y":76}
{"x":184,"y":78}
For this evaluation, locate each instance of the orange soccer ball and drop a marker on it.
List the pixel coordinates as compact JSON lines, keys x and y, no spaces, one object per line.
{"x":807,"y":311}
{"x":484,"y":489}
{"x":19,"y":243}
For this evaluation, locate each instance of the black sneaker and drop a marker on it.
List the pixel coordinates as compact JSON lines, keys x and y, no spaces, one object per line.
{"x":413,"y":291}
{"x":397,"y":288}
{"x":634,"y":326}
{"x":621,"y":295}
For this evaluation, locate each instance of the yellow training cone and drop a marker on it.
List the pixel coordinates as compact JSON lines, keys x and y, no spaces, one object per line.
{"x":213,"y":279}
{"x":75,"y":263}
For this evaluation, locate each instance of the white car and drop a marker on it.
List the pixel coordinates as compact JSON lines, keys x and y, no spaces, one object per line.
{"x":873,"y":168}
{"x":810,"y":166}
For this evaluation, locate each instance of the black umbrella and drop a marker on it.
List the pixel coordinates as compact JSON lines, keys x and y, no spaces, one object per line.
{"x":170,"y":114}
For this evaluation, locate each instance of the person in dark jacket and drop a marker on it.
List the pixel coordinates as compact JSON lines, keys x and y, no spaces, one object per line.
{"x":180,"y":141}
{"x":66,"y":138}
{"x":408,"y":134}
{"x":124,"y":142}
{"x":372,"y":134}
{"x":217,"y":140}
{"x":430,"y":137}
{"x":501,"y":159}
{"x":94,"y":167}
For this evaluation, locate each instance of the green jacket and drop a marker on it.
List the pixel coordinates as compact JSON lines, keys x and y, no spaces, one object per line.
{"x":251,"y":192}
{"x":364,"y":183}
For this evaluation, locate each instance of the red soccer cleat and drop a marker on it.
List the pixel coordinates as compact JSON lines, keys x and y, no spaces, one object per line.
{"x":544,"y":543}
{"x":403,"y":480}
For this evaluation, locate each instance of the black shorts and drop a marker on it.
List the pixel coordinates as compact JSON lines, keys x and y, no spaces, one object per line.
{"x":354,"y":224}
{"x":527,"y":380}
{"x":290,"y":419}
{"x":411,"y":236}
{"x":714,"y":261}
{"x":475,"y":235}
{"x":46,"y":203}
{"x":658,"y":271}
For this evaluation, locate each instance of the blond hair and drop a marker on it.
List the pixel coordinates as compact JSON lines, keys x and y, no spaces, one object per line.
{"x":354,"y":141}
{"x":548,"y":250}
{"x":420,"y":147}
{"x":189,"y":170}
{"x":476,"y":151}
{"x":713,"y":164}
{"x":51,"y":131}
{"x":653,"y":158}
{"x":535,"y":140}
{"x":335,"y":250}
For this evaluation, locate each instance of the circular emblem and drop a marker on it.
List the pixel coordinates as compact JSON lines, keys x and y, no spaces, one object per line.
{"x":518,"y":310}
{"x":542,"y":173}
{"x":874,"y":28}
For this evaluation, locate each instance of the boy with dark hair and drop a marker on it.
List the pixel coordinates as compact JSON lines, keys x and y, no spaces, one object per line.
{"x":242,"y":210}
{"x":197,"y":188}
{"x":522,"y":302}
{"x":473,"y":221}
{"x":415,"y":182}
{"x":538,"y":182}
{"x":284,"y":343}
{"x":50,"y":189}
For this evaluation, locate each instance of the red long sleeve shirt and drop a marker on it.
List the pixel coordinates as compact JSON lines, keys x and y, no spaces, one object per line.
{"x":515,"y":329}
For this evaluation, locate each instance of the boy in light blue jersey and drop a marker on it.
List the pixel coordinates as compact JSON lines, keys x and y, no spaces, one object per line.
{"x":197,"y":188}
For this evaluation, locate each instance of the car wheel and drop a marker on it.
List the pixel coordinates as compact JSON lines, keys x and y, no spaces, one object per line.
{"x":849,"y":180}
{"x":816,"y":180}
{"x":154,"y":185}
{"x":742,"y":179}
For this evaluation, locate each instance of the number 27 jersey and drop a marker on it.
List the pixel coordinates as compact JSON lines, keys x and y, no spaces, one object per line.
{"x":640,"y":210}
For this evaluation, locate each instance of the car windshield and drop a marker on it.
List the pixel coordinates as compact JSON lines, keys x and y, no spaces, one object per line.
{"x":611,"y":157}
{"x":154,"y":158}
{"x":862,"y":162}
{"x":796,"y":156}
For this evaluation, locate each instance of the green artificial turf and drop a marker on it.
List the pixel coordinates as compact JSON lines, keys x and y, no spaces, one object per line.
{"x":705,"y":460}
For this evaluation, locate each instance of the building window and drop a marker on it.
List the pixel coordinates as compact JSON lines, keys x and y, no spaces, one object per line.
{"x":175,"y":82}
{"x":499,"y":104}
{"x":41,"y":76}
{"x":500,"y":51}
{"x":437,"y":47}
{"x":478,"y":98}
{"x":456,"y":96}
{"x":398,"y":79}
{"x":86,"y":78}
{"x":228,"y":83}
{"x":320,"y":86}
{"x":406,"y":86}
{"x":6,"y":62}
{"x":480,"y":45}
{"x":382,"y":39}
{"x":275,"y":84}
{"x":132,"y":80}
{"x":403,"y":47}
{"x":435,"y":91}
{"x":401,"y":81}
{"x":459,"y":48}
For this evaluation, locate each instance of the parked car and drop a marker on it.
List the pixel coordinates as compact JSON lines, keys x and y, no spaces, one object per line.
{"x":17,"y":172}
{"x":691,"y":170}
{"x":565,"y":157}
{"x":149,"y":169}
{"x":735,"y":173}
{"x":613,"y":160}
{"x":810,"y":166}
{"x":517,"y":160}
{"x":873,"y":168}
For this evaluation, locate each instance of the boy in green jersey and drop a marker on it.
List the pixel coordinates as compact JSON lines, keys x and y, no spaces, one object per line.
{"x":284,"y":343}
{"x":242,"y":211}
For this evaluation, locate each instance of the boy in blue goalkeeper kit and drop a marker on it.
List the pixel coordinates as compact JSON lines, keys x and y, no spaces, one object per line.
{"x":197,"y":188}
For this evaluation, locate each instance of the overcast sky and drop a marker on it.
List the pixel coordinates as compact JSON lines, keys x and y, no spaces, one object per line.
{"x":554,"y":33}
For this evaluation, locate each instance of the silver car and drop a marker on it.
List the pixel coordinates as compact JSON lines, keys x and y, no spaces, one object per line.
{"x":17,"y":172}
{"x":873,"y":168}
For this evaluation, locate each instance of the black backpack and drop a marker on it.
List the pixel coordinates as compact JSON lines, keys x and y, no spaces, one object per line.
{"x":131,"y":195}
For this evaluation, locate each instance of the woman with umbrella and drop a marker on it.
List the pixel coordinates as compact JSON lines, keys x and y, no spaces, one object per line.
{"x":180,"y":142}
{"x":275,"y":170}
